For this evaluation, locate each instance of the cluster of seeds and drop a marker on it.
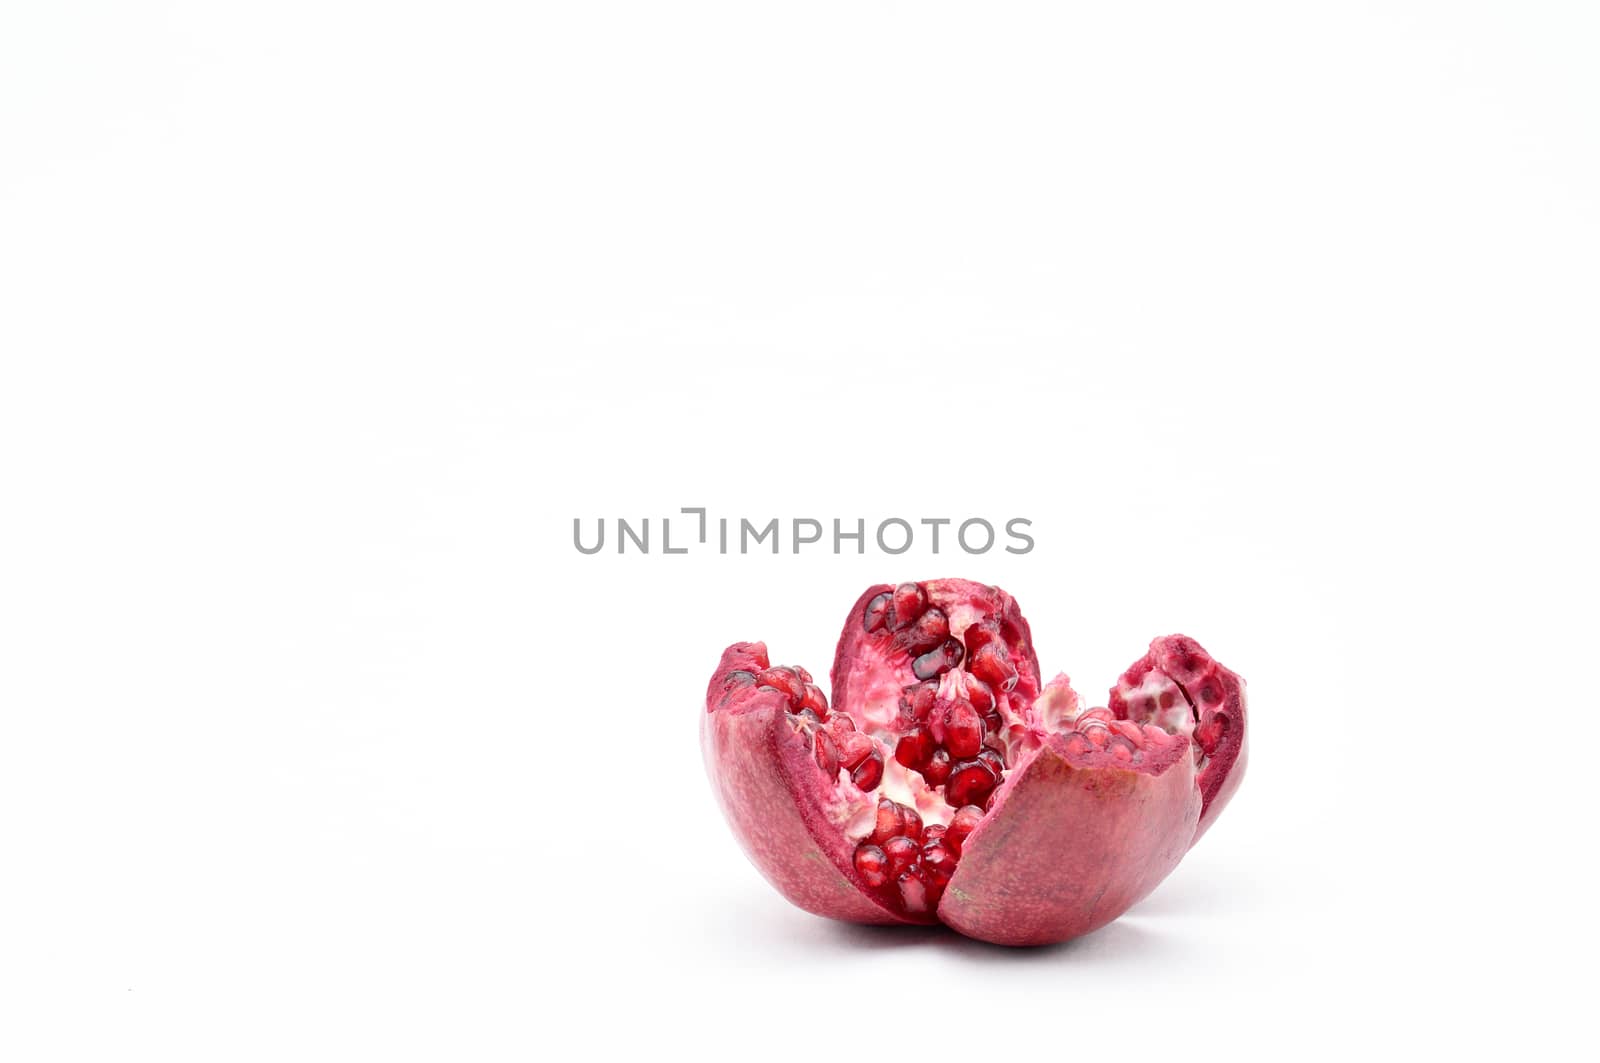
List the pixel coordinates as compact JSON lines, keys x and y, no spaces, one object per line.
{"x":1185,"y":688}
{"x":835,"y":740}
{"x":917,"y":860}
{"x":1123,"y":740}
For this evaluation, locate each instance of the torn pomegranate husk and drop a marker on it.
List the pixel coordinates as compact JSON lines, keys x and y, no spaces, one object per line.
{"x":944,"y":782}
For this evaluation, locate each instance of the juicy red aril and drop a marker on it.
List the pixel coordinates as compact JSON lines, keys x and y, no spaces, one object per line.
{"x":991,"y":664}
{"x":939,"y":660}
{"x":812,"y":697}
{"x":993,"y":758}
{"x":902,"y":853}
{"x":869,"y":773}
{"x":914,"y":748}
{"x":913,"y":892}
{"x":933,"y":832}
{"x":937,"y":770}
{"x":916,"y":700}
{"x":854,"y":748}
{"x":939,"y":857}
{"x":872,"y":864}
{"x":929,"y":630}
{"x":888,"y":822}
{"x":970,"y":782}
{"x":827,"y":755}
{"x":877,"y":613}
{"x":785,"y":680}
{"x":993,"y":723}
{"x":980,"y":695}
{"x":963,"y":730}
{"x":910,"y":823}
{"x":961,"y":824}
{"x":907,"y":603}
{"x":1129,"y":730}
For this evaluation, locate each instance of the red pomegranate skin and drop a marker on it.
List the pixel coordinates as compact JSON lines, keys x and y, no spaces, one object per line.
{"x":1082,"y":811}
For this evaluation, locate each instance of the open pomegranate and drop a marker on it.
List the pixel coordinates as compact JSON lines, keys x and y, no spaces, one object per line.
{"x":947,"y":784}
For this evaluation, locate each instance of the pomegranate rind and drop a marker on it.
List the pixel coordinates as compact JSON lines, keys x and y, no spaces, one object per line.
{"x":1068,"y":847}
{"x":766,"y":780}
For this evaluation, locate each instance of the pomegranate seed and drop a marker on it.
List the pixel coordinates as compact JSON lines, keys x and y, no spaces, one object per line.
{"x":1098,"y":736}
{"x":902,"y":853}
{"x":930,"y":629}
{"x":913,"y":748}
{"x":980,"y":695}
{"x":1120,"y":748}
{"x":782,"y":679}
{"x":1154,"y":735}
{"x":841,"y":722}
{"x":938,"y":660}
{"x":981,"y":634}
{"x":1094,"y":716}
{"x":992,"y":665}
{"x":1211,"y":731}
{"x":937,"y":770}
{"x":933,"y":832}
{"x":872,"y":864}
{"x":939,"y":858}
{"x":811,"y":697}
{"x":869,"y":774}
{"x":907,"y":605}
{"x":966,"y":818}
{"x":970,"y":782}
{"x":827,"y":755}
{"x":877,"y":613}
{"x":1078,"y":745}
{"x":888,"y":824}
{"x":1129,"y":730}
{"x":805,"y":676}
{"x":854,"y":747}
{"x":963,"y":730}
{"x":913,"y":893}
{"x":910,"y":823}
{"x":993,"y":723}
{"x":916,"y":700}
{"x":994,"y":758}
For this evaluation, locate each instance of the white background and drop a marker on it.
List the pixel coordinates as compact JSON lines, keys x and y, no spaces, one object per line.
{"x":322,"y":321}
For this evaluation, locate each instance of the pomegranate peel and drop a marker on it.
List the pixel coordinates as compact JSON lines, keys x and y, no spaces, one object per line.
{"x":947,"y":784}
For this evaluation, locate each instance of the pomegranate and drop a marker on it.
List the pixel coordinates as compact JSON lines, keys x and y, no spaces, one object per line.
{"x":943,"y":782}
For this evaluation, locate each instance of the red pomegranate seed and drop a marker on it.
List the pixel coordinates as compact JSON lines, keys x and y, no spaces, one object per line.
{"x":877,"y":612}
{"x":916,"y":700}
{"x":910,"y":823}
{"x":908,"y":603}
{"x":913,"y":748}
{"x":869,"y":773}
{"x":872,"y":864}
{"x":854,"y":747}
{"x":980,"y":695}
{"x":938,"y":660}
{"x":827,"y":755}
{"x":1129,"y":730}
{"x":930,"y":629}
{"x":1120,"y":748}
{"x":963,"y":730}
{"x":981,"y":634}
{"x":939,"y":858}
{"x":1098,"y":736}
{"x":937,"y":770}
{"x":783,"y":679}
{"x":933,"y":832}
{"x":994,"y":758}
{"x":902,"y":853}
{"x":812,"y":697}
{"x":888,"y":823}
{"x":970,"y":782}
{"x":841,"y":722}
{"x":966,"y":818}
{"x":913,"y":892}
{"x":993,"y":724}
{"x":992,"y":665}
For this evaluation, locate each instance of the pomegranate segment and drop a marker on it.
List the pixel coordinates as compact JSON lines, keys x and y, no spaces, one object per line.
{"x":1181,"y":689}
{"x":944,"y":784}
